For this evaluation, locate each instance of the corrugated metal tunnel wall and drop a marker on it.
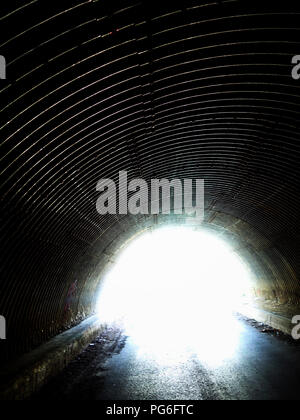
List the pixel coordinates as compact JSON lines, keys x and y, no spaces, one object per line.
{"x":190,"y":89}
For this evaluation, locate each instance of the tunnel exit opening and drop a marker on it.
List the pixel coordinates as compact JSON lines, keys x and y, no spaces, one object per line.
{"x":175,"y":290}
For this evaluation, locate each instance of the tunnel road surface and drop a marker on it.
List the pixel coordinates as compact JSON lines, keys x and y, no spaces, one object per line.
{"x":258,"y":366}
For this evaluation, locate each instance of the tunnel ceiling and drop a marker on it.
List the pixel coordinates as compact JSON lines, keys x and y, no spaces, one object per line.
{"x":196,"y":89}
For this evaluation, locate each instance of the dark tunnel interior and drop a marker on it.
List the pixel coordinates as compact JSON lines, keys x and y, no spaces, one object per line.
{"x":181,"y":89}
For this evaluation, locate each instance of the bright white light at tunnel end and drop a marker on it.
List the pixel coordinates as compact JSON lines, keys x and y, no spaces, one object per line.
{"x":172,"y":287}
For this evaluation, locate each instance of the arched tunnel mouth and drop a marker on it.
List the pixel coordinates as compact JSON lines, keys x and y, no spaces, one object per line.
{"x":174,"y":290}
{"x":193,"y":90}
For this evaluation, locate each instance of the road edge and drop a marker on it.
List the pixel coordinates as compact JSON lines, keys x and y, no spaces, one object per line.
{"x":275,"y":321}
{"x":32,"y":371}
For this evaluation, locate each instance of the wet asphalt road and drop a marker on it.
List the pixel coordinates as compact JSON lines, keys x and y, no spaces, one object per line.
{"x":259,"y":366}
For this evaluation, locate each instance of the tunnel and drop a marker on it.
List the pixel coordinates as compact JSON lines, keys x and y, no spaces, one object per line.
{"x":193,"y":89}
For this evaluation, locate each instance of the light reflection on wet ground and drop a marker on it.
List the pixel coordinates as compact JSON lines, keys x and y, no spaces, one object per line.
{"x":212,"y":341}
{"x":239,"y":362}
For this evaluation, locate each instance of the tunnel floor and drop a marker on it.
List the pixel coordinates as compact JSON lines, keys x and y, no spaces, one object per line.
{"x":265,"y":366}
